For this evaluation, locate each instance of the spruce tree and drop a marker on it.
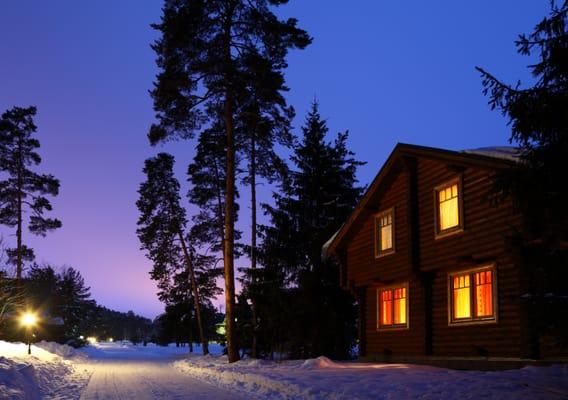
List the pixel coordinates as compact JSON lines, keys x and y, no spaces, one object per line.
{"x":74,"y":301}
{"x":538,"y":118}
{"x":24,"y":190}
{"x":312,"y":205}
{"x":62,"y":294}
{"x":205,"y":54}
{"x":161,"y":231}
{"x":263,"y":123}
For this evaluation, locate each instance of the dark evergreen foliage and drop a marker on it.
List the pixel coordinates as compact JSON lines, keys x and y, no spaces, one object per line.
{"x":207,"y":178}
{"x":262,"y":123}
{"x":538,"y":118}
{"x":66,"y":310}
{"x":23,"y":189}
{"x":184,"y":277}
{"x":209,"y":54}
{"x":161,"y":220}
{"x":314,"y":316}
{"x":105,"y":324}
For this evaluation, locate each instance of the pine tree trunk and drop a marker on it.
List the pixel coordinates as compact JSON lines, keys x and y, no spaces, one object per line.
{"x":189,"y":263}
{"x":253,"y":243}
{"x":19,"y":264}
{"x":229,"y":243}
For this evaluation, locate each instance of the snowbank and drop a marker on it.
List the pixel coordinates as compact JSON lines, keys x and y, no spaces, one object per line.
{"x":43,"y":374}
{"x":322,"y":378}
{"x":124,"y":351}
{"x":63,"y":350}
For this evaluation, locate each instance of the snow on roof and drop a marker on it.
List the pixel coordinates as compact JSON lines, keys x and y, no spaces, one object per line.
{"x":509,"y":153}
{"x":326,"y":245}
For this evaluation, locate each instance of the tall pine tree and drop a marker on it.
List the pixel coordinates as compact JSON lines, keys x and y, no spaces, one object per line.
{"x":23,"y":190}
{"x":538,"y":117}
{"x":320,"y":195}
{"x":263,"y":122}
{"x":205,"y":54}
{"x":161,"y":231}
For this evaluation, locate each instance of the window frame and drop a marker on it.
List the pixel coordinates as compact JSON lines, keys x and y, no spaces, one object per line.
{"x":473,"y":320}
{"x":392,"y":327}
{"x":438,"y":233}
{"x":381,"y":253}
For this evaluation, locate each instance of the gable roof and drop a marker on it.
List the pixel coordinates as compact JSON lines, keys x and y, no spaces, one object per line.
{"x":489,"y":157}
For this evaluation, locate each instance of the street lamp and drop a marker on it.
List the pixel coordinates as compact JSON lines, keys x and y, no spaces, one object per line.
{"x":28,"y":320}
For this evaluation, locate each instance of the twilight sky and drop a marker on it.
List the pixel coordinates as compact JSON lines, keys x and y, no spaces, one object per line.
{"x":388,"y":71}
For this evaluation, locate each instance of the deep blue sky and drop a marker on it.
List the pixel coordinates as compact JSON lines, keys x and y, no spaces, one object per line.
{"x":388,"y":71}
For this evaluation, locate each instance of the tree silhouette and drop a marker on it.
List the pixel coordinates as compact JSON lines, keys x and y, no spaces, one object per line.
{"x":205,"y":55}
{"x":538,"y":117}
{"x":23,"y":189}
{"x":263,"y":122}
{"x":309,"y":209}
{"x":161,"y":231}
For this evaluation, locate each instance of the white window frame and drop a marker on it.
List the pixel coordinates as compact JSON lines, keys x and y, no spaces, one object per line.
{"x":473,"y":320}
{"x":393,"y":327}
{"x":378,"y":252}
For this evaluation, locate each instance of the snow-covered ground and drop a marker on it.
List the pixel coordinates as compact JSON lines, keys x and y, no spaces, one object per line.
{"x":52,"y":372}
{"x":103,"y":371}
{"x":124,"y":371}
{"x":146,"y":372}
{"x":322,"y":378}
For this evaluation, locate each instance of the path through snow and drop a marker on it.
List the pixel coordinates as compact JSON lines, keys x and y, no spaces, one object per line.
{"x":152,"y":379}
{"x":141,"y":373}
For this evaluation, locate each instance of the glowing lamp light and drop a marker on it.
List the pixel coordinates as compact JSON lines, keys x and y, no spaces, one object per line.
{"x":28,"y":319}
{"x":92,"y":340}
{"x":110,"y":340}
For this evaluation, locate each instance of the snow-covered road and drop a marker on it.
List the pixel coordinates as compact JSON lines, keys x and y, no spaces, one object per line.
{"x":147,"y":379}
{"x":143,"y":373}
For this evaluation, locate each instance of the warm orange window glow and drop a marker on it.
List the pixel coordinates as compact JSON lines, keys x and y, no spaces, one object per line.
{"x":384,"y":232}
{"x":392,"y":306}
{"x":400,"y":306}
{"x":461,"y":293}
{"x":483,"y":294}
{"x":472,"y":296}
{"x":386,"y":307}
{"x":448,"y":207}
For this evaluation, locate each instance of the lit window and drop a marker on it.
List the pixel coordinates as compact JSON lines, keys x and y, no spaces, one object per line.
{"x":392,"y":308}
{"x":483,"y":294}
{"x":462,"y":297}
{"x":384,"y":233}
{"x":472,"y":296}
{"x":448,"y":208}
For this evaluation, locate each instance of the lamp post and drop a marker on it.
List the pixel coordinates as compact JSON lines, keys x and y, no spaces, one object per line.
{"x":28,"y":320}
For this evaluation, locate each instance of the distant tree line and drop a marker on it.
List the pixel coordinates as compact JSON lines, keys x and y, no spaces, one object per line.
{"x":66,"y":312}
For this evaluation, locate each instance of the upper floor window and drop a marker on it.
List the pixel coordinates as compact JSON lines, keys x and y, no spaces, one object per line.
{"x":384,"y":233}
{"x":472,"y":296}
{"x":392,"y":307}
{"x":448,"y":208}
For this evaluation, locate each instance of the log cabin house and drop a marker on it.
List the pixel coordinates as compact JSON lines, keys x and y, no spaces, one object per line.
{"x":425,"y":253}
